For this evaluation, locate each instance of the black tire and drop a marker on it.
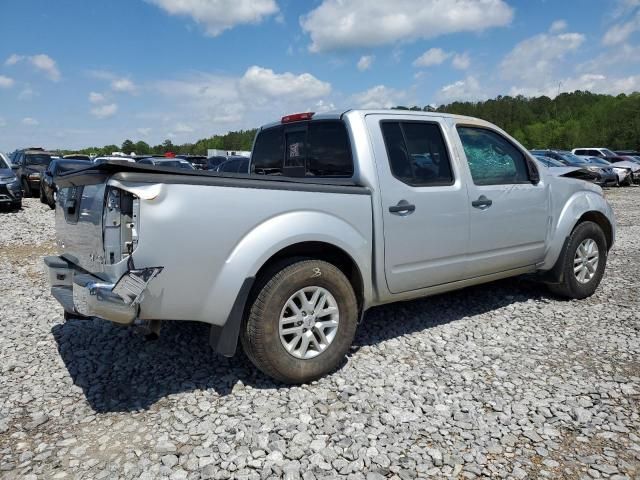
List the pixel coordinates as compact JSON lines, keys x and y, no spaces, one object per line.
{"x":260,"y":334}
{"x":628,"y":181}
{"x":43,"y":199}
{"x":570,"y":286}
{"x":17,"y":205}
{"x":26,"y":188}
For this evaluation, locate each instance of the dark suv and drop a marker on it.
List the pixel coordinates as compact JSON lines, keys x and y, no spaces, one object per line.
{"x":29,"y":165}
{"x":10,"y":191}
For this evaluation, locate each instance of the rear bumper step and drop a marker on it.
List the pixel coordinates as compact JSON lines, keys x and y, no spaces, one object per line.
{"x":84,"y":294}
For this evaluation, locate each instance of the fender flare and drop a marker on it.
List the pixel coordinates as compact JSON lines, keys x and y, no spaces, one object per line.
{"x":579,"y":204}
{"x":237,"y":276}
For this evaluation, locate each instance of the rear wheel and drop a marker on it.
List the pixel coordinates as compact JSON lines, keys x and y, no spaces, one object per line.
{"x":43,"y":199}
{"x":583,"y":262}
{"x":302,"y":321}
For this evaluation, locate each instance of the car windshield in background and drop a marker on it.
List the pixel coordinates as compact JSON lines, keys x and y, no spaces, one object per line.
{"x":599,"y":161}
{"x":3,"y":163}
{"x":550,"y":162}
{"x":574,"y":159}
{"x":38,"y":159}
{"x":175,"y":164}
{"x":608,"y":152}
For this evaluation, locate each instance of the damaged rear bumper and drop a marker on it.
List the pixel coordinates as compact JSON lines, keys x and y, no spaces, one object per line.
{"x":81,"y":293}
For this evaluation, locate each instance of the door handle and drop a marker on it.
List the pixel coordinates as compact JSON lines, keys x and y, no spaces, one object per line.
{"x":403,"y":208}
{"x":482,"y":202}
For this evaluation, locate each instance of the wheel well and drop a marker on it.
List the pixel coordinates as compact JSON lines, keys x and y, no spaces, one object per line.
{"x":602,"y":222}
{"x":322,"y":251}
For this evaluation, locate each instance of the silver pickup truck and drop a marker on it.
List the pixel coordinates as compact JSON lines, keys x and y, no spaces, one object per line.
{"x":339,"y":213}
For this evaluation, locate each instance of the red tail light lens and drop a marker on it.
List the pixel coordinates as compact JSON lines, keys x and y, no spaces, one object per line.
{"x":297,"y":117}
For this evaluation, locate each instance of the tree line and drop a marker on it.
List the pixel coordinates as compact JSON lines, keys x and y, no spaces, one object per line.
{"x":240,"y":140}
{"x":567,"y":121}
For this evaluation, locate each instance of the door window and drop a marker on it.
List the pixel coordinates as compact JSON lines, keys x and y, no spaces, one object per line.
{"x":492,"y":159}
{"x":417,"y":153}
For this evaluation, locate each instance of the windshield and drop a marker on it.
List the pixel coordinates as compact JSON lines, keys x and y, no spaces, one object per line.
{"x":549,"y":162}
{"x":599,"y":161}
{"x":38,"y":159}
{"x":608,"y":153}
{"x":175,"y":164}
{"x":3,"y":164}
{"x":574,"y":159}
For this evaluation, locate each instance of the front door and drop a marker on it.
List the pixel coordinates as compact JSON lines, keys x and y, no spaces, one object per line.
{"x":425,"y":207}
{"x":509,"y":214}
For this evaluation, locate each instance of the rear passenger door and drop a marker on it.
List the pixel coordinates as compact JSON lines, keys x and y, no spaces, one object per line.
{"x":509,"y":214}
{"x":425,"y":207}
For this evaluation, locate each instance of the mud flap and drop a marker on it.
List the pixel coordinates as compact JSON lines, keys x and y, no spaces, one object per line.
{"x":224,"y":339}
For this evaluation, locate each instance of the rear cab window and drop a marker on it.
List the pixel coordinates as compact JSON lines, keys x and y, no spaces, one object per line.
{"x":417,"y":153}
{"x":316,"y":148}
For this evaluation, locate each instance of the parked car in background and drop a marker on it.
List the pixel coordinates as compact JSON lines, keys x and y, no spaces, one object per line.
{"x":608,"y":155}
{"x":627,"y":174}
{"x":166,"y":162}
{"x":10,"y":189}
{"x":199,"y":162}
{"x":234,"y":165}
{"x":559,"y":169}
{"x":29,"y":165}
{"x":627,"y":153}
{"x":214,"y":162}
{"x":48,"y":188}
{"x":77,"y":156}
{"x":605,"y":176}
{"x":336,"y":216}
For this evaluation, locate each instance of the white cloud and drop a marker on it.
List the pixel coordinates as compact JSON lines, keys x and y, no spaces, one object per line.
{"x":468,"y":89}
{"x":365,"y":62}
{"x":461,"y":61}
{"x":620,"y":56}
{"x":123,"y":85}
{"x":219,"y":15}
{"x":433,"y":56}
{"x":144,"y":131}
{"x":95,"y":97}
{"x":558,"y":26}
{"x":13,"y":59}
{"x":338,"y":24}
{"x":27,"y":93}
{"x":47,"y":65}
{"x":6,"y":82}
{"x":41,"y":62}
{"x":264,"y":82}
{"x":226,"y":102}
{"x":538,"y":56}
{"x":378,"y":97}
{"x":104,"y":111}
{"x":183,"y":128}
{"x":29,"y":121}
{"x":621,"y":32}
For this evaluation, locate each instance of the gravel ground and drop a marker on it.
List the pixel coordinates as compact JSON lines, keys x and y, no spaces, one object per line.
{"x":500,"y":381}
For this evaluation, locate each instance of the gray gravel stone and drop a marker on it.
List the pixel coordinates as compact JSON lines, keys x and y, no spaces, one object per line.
{"x":498,"y":381}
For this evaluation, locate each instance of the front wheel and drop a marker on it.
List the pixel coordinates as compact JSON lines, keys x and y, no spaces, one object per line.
{"x":302,"y":321}
{"x":583,"y":262}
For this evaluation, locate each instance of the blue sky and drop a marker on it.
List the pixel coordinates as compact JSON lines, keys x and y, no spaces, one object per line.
{"x":76,"y":73}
